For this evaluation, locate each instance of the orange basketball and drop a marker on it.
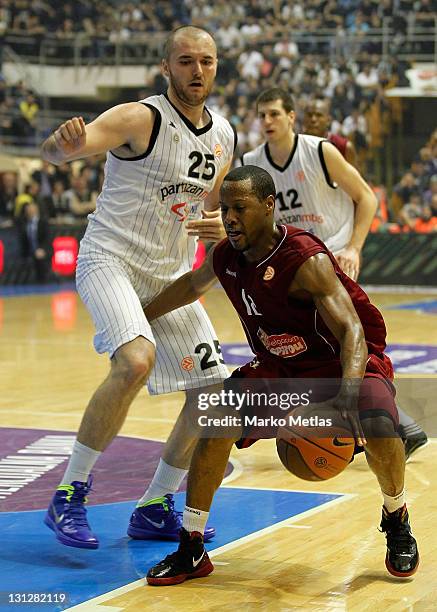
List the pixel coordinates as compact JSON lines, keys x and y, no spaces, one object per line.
{"x":316,"y":453}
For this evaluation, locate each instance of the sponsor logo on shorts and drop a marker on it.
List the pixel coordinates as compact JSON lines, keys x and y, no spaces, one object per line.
{"x":282,"y":345}
{"x":231,"y":273}
{"x":269,"y":273}
{"x":187,"y":364}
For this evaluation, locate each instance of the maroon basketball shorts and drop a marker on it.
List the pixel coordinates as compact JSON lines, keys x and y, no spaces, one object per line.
{"x":376,"y":397}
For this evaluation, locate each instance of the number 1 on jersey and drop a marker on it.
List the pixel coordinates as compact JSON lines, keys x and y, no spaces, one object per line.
{"x":250,"y":304}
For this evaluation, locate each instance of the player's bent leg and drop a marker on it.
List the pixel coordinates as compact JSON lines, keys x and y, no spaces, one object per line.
{"x":103,"y":418}
{"x":206,"y":473}
{"x":155,"y":516}
{"x":386,"y":458}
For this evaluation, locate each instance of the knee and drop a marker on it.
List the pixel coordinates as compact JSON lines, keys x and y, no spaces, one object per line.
{"x":133,"y":362}
{"x":383,"y":441}
{"x":379,"y":427}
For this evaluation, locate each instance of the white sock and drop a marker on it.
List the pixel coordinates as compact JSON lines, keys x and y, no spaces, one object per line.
{"x":167,"y":479}
{"x":410,"y":426}
{"x":81,"y":463}
{"x":394,"y":503}
{"x":194,"y":520}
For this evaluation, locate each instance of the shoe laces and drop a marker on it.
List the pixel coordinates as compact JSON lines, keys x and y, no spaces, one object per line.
{"x":397,"y":529}
{"x":75,"y":505}
{"x":170,"y":502}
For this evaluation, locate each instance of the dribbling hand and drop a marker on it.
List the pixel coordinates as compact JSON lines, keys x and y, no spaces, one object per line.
{"x":348,"y":408}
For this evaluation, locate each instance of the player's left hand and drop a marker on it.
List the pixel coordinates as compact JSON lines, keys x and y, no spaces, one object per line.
{"x":349,"y":261}
{"x":209,"y":227}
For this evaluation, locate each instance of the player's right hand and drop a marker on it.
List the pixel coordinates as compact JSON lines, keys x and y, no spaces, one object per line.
{"x":347,"y":405}
{"x":70,"y":136}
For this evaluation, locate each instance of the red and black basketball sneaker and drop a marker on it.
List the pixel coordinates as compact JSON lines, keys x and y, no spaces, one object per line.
{"x":402,"y":558}
{"x":189,"y":561}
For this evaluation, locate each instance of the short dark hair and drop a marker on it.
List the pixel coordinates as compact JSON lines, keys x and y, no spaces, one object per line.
{"x":261,"y":182}
{"x":276,"y":93}
{"x":321,"y":99}
{"x":168,"y":45}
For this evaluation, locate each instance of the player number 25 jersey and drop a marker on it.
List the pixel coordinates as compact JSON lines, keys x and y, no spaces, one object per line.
{"x":146,"y":200}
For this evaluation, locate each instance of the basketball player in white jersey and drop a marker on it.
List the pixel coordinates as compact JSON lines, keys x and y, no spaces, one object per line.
{"x":166,"y":158}
{"x":316,"y":187}
{"x":319,"y":191}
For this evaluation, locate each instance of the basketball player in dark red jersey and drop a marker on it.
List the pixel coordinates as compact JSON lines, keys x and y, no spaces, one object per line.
{"x":283,"y":281}
{"x":316,"y":122}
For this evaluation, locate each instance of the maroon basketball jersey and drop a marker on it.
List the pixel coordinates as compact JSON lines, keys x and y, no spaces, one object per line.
{"x":278,"y":327}
{"x":339,"y":142}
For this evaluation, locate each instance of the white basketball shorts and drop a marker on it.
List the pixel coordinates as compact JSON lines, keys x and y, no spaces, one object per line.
{"x":188,"y":353}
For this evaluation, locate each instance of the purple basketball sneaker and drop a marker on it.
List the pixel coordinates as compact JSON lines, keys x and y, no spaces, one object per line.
{"x":66,"y":515}
{"x":157,"y":519}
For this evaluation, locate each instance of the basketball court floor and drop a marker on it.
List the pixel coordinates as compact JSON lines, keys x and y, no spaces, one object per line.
{"x":282,"y":543}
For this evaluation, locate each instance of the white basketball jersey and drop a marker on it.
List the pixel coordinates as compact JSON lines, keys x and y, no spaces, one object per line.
{"x":146,"y":200}
{"x":305,"y":195}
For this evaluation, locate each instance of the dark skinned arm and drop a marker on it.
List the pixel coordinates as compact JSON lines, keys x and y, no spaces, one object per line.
{"x":185,"y":290}
{"x":316,"y":279}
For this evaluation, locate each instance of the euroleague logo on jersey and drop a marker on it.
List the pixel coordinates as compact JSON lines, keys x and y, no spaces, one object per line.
{"x":187,"y":364}
{"x":218,"y":151}
{"x":269,"y":273}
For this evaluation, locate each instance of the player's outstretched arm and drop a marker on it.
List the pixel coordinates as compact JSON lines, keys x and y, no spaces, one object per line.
{"x":186,"y":289}
{"x":317,"y":277}
{"x":126,"y":124}
{"x":351,"y":181}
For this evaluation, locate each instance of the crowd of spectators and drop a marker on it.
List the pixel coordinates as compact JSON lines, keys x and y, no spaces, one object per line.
{"x":248,"y":18}
{"x":262,"y":43}
{"x":99,"y":25}
{"x":414,"y":200}
{"x":19,"y":108}
{"x":63,"y":194}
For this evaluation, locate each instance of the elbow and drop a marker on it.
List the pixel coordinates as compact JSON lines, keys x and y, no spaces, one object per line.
{"x":371,"y":201}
